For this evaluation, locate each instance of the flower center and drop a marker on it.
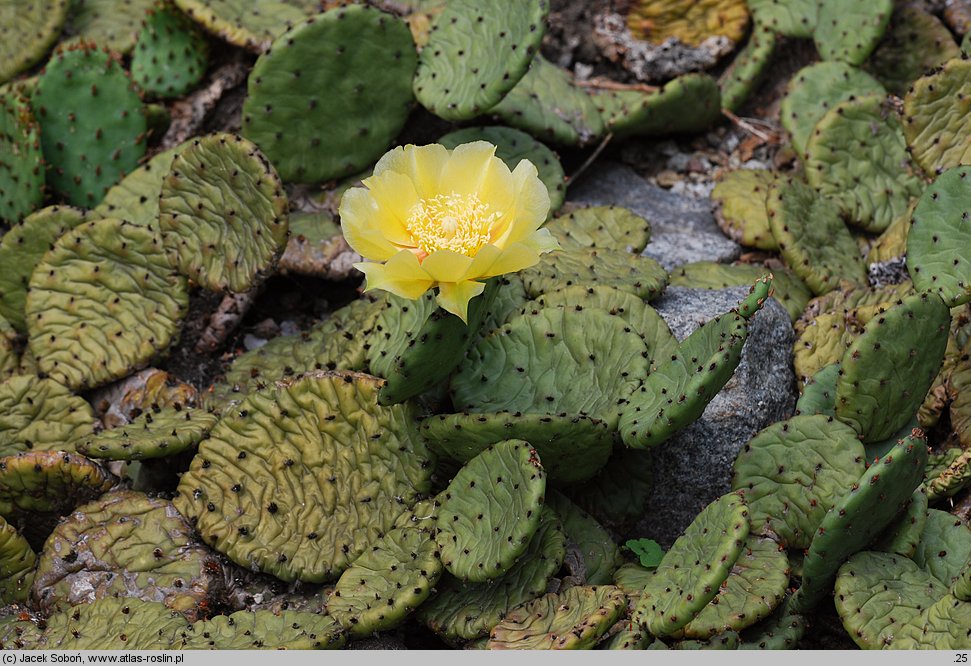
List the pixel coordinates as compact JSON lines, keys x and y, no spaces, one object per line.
{"x":460,"y":223}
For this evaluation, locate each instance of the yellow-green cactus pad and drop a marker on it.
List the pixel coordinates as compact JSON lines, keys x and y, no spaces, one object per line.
{"x":9,"y":358}
{"x":109,"y":24}
{"x":690,"y":21}
{"x":27,"y":29}
{"x":49,"y":482}
{"x":135,"y":198}
{"x":223,"y":213}
{"x":245,"y":24}
{"x":849,"y":30}
{"x":935,"y":109}
{"x":607,"y":227}
{"x":792,"y":18}
{"x":740,"y":199}
{"x":126,"y":544}
{"x":113,"y":624}
{"x":641,"y":276}
{"x":155,"y":433}
{"x":263,"y":630}
{"x":17,"y":562}
{"x":41,"y":415}
{"x":303,"y":476}
{"x":916,"y":43}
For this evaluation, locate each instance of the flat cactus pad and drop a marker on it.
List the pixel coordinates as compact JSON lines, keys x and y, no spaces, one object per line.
{"x":244,"y":24}
{"x":601,"y":227}
{"x":27,"y":29}
{"x":263,"y":630}
{"x":934,"y":109}
{"x":41,"y":415}
{"x":641,"y":276}
{"x":849,"y":30}
{"x":49,"y":482}
{"x":21,"y":161}
{"x":155,"y":433}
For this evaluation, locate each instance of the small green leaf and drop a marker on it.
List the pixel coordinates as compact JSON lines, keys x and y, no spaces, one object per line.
{"x":647,"y":550}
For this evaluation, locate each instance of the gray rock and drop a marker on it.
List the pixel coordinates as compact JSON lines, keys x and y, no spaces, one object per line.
{"x":683,"y":229}
{"x":694,"y":468}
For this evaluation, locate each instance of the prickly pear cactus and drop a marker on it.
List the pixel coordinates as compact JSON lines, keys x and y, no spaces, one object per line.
{"x":513,"y":146}
{"x":789,"y":493}
{"x":812,"y":238}
{"x":41,"y":415}
{"x":944,"y":547}
{"x":340,"y":472}
{"x":27,"y":29}
{"x":547,"y":104}
{"x":692,"y":571}
{"x":746,"y":72}
{"x":135,"y":197}
{"x":22,"y":247}
{"x":690,"y":21}
{"x":601,"y":227}
{"x":113,"y":624}
{"x":884,"y":375}
{"x":126,"y":544}
{"x":572,"y":620}
{"x":170,"y":55}
{"x":241,"y":23}
{"x":17,"y":563}
{"x":933,"y":113}
{"x":263,"y":630}
{"x":476,"y":54}
{"x":48,"y":482}
{"x":740,"y":199}
{"x":21,"y":161}
{"x":792,"y":18}
{"x":490,"y":511}
{"x":904,"y":534}
{"x":601,"y":557}
{"x":817,"y":88}
{"x":108,"y":24}
{"x":223,"y":213}
{"x":916,"y":43}
{"x":641,"y":276}
{"x":102,"y":303}
{"x":849,"y":31}
{"x":156,"y":433}
{"x":92,"y":126}
{"x":391,"y":579}
{"x":686,"y":104}
{"x":332,"y":94}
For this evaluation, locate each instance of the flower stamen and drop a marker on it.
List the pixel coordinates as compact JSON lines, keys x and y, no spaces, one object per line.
{"x":456,"y":222}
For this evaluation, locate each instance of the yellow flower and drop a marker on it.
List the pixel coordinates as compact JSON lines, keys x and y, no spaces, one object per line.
{"x":430,"y":217}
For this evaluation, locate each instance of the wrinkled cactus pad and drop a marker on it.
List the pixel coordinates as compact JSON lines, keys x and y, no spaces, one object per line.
{"x":41,"y":415}
{"x":850,"y":30}
{"x":135,"y":197}
{"x":641,"y":276}
{"x":740,"y":199}
{"x":156,"y":433}
{"x":244,"y":24}
{"x":916,"y":42}
{"x":113,"y":624}
{"x":49,"y":482}
{"x":601,"y":227}
{"x":934,"y":110}
{"x":341,"y":469}
{"x":601,"y":557}
{"x":686,"y":104}
{"x":263,"y":630}
{"x":944,"y":547}
{"x":690,"y":21}
{"x":102,"y":303}
{"x":17,"y":563}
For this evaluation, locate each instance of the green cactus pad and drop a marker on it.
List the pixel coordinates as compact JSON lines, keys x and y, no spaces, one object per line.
{"x":476,"y":54}
{"x":92,"y":126}
{"x":788,"y":289}
{"x":641,"y":276}
{"x":781,"y":631}
{"x":108,"y":24}
{"x":641,"y":317}
{"x":392,"y":578}
{"x":156,"y":433}
{"x":952,"y":479}
{"x":113,"y":624}
{"x":793,"y":472}
{"x":135,"y":197}
{"x":812,"y":238}
{"x":936,"y":256}
{"x":916,"y":42}
{"x":332,"y":94}
{"x":792,"y":18}
{"x":817,"y":88}
{"x":27,"y":30}
{"x":21,"y":161}
{"x":753,"y":590}
{"x":263,"y":630}
{"x":857,"y":158}
{"x":126,"y":544}
{"x":223,"y":213}
{"x":170,"y":55}
{"x":740,"y":199}
{"x":819,"y":394}
{"x":677,"y":392}
{"x":748,"y":69}
{"x":102,"y":303}
{"x":879,"y":593}
{"x":42,"y":415}
{"x":884,"y":375}
{"x":934,"y":113}
{"x":849,"y":31}
{"x":517,"y":367}
{"x":945,"y":546}
{"x":9,"y":358}
{"x":687,"y":104}
{"x":17,"y":633}
{"x":727,"y":641}
{"x":22,"y":247}
{"x":573,"y":448}
{"x":49,"y":482}
{"x":340,"y":471}
{"x":416,"y":345}
{"x":547,"y":104}
{"x":490,"y":511}
{"x":962,"y":586}
{"x":904,"y":534}
{"x":241,"y":23}
{"x":943,"y":626}
{"x":466,"y":611}
{"x":572,"y":620}
{"x":859,"y":516}
{"x":693,"y":570}
{"x":17,"y":561}
{"x":620,"y":491}
{"x":629,"y":637}
{"x":600,"y":555}
{"x":513,"y":146}
{"x":607,"y":227}
{"x":632,"y":578}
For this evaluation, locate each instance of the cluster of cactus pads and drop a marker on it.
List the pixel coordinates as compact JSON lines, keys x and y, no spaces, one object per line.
{"x":391,"y":466}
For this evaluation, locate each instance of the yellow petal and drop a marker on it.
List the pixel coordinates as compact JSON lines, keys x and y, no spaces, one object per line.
{"x":357,"y":210}
{"x":467,"y":167}
{"x":401,"y":275}
{"x":491,"y":262}
{"x":422,"y":164}
{"x":542,"y":241}
{"x":532,"y":206}
{"x":446,"y":266}
{"x":395,"y":197}
{"x":455,"y":296}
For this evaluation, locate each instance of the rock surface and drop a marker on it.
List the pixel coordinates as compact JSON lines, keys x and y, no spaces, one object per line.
{"x":683,"y":229}
{"x":695,"y":467}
